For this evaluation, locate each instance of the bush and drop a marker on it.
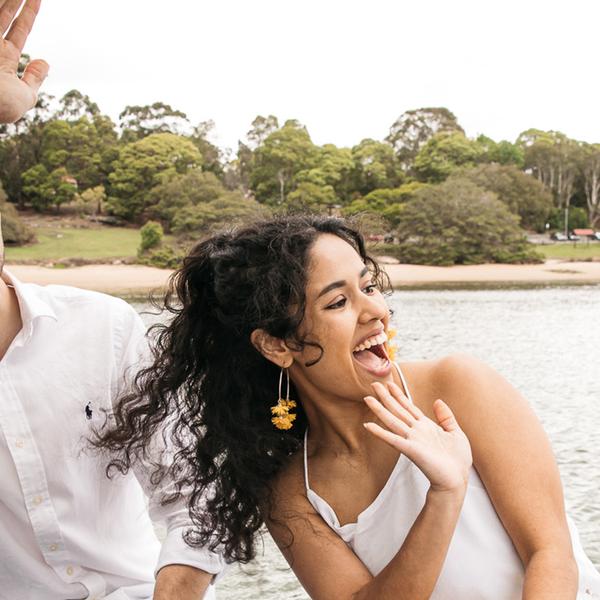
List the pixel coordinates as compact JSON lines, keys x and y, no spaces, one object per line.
{"x":164,"y":257}
{"x":14,"y":231}
{"x":457,"y":222}
{"x":152,"y":235}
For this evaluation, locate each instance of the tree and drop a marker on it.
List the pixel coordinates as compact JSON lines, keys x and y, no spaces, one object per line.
{"x":502,"y":153}
{"x":74,"y":106}
{"x":414,"y":128}
{"x":523,"y":194}
{"x":165,"y":200}
{"x":211,"y":155}
{"x":457,"y":222}
{"x":283,"y":154}
{"x":387,"y":203}
{"x":443,"y":154}
{"x":375,"y":166}
{"x":48,"y":188}
{"x":590,"y":170}
{"x":554,"y":159}
{"x":144,"y":164}
{"x":196,"y":221}
{"x":138,"y":122}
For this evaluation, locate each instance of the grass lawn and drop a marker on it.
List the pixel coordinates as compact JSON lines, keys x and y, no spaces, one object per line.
{"x":570,"y":250}
{"x":62,"y":243}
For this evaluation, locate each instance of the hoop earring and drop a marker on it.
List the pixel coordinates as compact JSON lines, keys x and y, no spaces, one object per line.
{"x":282,"y":417}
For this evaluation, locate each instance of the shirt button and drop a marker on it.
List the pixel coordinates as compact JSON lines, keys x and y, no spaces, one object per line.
{"x":19,"y":443}
{"x":53,"y":547}
{"x":37,"y":500}
{"x":70,"y":571}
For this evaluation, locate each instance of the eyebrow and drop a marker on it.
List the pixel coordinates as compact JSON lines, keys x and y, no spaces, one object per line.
{"x":341,"y":283}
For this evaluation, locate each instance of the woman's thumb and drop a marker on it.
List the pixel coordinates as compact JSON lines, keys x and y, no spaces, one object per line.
{"x":444,"y":416}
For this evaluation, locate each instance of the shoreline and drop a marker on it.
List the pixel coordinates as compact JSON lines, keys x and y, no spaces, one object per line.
{"x":139,"y":280}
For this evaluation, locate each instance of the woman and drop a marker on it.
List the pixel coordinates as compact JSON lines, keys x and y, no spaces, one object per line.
{"x":362,"y":475}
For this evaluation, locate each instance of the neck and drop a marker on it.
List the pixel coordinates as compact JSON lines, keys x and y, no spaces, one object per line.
{"x":337,"y":424}
{"x":10,"y":316}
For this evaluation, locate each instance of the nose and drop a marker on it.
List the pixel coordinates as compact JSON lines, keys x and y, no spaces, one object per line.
{"x":373,"y":308}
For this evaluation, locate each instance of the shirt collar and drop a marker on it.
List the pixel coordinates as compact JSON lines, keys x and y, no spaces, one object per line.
{"x":31,"y":305}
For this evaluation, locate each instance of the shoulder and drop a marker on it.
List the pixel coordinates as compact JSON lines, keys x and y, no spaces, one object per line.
{"x":461,"y":380}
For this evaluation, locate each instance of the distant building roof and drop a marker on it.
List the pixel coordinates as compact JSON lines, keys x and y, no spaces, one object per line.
{"x":583,"y":231}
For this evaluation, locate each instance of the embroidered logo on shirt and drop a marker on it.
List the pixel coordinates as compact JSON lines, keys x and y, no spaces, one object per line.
{"x":88,"y":411}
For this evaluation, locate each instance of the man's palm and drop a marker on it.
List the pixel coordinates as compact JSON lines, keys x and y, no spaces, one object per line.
{"x":17,"y":96}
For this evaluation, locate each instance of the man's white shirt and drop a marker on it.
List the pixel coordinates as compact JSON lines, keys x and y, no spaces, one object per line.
{"x":66,"y":530}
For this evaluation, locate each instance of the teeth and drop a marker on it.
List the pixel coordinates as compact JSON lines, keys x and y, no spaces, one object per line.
{"x":374,"y":341}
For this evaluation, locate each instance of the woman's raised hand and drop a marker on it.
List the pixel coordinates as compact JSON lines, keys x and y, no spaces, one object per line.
{"x":441,"y":450}
{"x":17,"y":95}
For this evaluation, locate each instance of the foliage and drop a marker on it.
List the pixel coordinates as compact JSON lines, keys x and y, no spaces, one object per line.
{"x":522,"y":193}
{"x":375,"y":166}
{"x":229,"y":209}
{"x":138,"y":122}
{"x":46,"y":189}
{"x":151,"y":236}
{"x":414,"y":128}
{"x":91,"y":201}
{"x":443,"y":154}
{"x":502,"y":153}
{"x":457,"y":222}
{"x":14,"y":231}
{"x":144,"y":164}
{"x":191,"y":188}
{"x":578,"y":219}
{"x":164,"y":257}
{"x":278,"y":160}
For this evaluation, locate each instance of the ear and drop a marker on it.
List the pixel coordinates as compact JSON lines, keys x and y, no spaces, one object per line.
{"x":272,"y":348}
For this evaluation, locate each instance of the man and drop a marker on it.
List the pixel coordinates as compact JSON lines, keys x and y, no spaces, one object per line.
{"x":66,"y":530}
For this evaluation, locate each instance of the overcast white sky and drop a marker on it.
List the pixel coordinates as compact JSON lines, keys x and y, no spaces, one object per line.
{"x":345,"y":68}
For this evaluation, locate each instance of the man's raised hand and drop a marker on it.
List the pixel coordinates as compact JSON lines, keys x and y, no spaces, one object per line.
{"x":18,"y":95}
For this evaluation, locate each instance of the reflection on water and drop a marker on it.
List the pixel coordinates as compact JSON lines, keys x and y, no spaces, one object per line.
{"x":546,"y":342}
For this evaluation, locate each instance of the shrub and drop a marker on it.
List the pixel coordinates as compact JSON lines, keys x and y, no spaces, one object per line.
{"x":152,"y":235}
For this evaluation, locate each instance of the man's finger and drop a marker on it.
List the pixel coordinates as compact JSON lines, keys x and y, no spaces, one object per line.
{"x":8,"y":10}
{"x":19,"y":30}
{"x":35,"y":73}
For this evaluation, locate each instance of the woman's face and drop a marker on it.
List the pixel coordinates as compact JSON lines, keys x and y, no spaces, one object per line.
{"x":348,"y":316}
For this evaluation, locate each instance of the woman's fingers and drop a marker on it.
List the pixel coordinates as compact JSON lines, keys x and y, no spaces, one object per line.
{"x":392,"y":404}
{"x":391,"y":421}
{"x":19,"y":30}
{"x":399,"y":395}
{"x":445,"y":417}
{"x":390,"y":438}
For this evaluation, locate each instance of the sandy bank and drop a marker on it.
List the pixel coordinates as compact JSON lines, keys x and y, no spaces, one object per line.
{"x":138,"y":280}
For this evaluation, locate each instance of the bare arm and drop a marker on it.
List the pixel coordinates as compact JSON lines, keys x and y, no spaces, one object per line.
{"x":326,"y":566}
{"x":17,"y":96}
{"x":515,"y":462}
{"x":181,"y":582}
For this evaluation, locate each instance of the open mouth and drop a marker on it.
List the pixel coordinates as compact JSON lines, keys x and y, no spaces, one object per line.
{"x":372,"y":355}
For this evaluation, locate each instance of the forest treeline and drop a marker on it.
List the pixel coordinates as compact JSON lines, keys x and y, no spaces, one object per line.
{"x":444,"y":197}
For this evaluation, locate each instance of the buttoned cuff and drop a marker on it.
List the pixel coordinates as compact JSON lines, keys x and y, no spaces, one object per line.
{"x":175,"y":551}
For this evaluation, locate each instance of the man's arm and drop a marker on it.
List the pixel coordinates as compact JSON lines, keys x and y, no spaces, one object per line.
{"x":17,"y":96}
{"x":181,"y":582}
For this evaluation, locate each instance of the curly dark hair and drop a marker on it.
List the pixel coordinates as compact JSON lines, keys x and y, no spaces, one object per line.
{"x":215,"y":389}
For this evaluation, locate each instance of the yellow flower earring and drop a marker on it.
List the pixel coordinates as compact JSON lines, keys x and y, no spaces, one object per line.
{"x":391,"y":348}
{"x":283,"y":418}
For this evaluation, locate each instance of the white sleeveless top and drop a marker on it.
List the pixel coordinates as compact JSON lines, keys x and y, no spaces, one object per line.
{"x":481,"y":564}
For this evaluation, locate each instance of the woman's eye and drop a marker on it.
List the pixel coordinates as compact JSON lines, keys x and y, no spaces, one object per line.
{"x":337,"y":304}
{"x":370,"y":288}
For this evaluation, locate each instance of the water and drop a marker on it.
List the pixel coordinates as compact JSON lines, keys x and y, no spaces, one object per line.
{"x":546,"y":342}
